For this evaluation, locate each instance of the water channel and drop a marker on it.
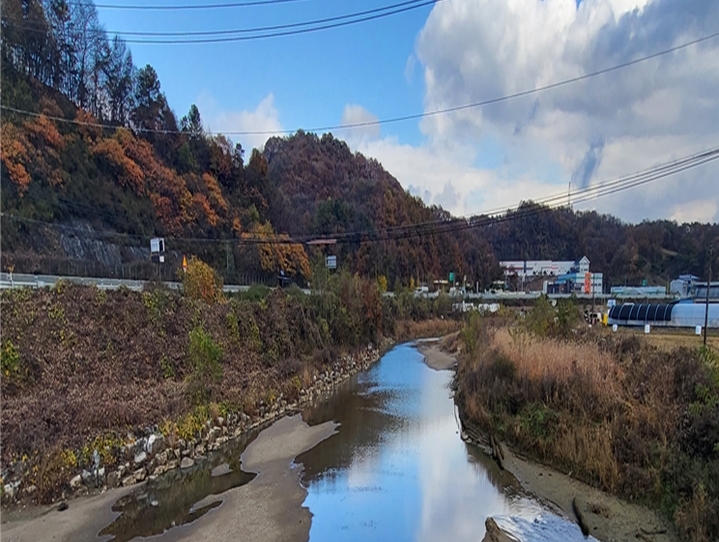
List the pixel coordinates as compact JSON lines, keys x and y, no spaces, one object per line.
{"x":396,"y":470}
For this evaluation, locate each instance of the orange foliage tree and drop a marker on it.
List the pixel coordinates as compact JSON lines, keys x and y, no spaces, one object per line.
{"x":202,"y":282}
{"x":276,"y":253}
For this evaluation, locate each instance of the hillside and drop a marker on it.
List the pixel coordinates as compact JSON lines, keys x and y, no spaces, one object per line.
{"x":95,"y":162}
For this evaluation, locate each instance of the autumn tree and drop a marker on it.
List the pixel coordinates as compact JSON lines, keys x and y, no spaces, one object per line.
{"x":202,"y":282}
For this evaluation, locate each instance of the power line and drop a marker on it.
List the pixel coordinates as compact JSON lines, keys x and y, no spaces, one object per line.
{"x":397,"y":119}
{"x":436,"y":227}
{"x":182,"y":7}
{"x":289,"y":29}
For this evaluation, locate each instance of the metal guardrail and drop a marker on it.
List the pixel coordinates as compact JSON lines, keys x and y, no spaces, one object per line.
{"x":21,"y":280}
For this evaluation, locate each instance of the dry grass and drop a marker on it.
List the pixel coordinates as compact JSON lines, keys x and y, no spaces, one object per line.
{"x":669,"y":339}
{"x":406,"y":330}
{"x":620,"y":413}
{"x":559,"y":361}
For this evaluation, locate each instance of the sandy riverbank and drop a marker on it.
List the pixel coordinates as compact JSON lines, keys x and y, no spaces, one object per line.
{"x":268,"y":508}
{"x":435,"y":358}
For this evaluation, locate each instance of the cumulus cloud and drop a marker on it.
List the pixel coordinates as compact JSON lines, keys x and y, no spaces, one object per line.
{"x":264,"y":118}
{"x":595,"y":130}
{"x":356,"y":114}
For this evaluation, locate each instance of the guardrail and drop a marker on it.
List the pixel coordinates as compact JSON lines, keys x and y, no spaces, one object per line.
{"x":21,"y":280}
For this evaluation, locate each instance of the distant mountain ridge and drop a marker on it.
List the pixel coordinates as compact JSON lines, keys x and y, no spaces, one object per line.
{"x":86,"y":195}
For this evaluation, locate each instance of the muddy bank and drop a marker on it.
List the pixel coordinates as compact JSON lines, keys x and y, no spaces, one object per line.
{"x":267,"y":508}
{"x":607,"y":517}
{"x":435,"y":357}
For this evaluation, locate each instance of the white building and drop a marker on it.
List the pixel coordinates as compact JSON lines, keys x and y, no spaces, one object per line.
{"x":537,"y":268}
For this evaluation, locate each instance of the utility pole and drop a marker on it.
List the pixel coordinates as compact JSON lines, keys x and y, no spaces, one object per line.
{"x":709,"y":282}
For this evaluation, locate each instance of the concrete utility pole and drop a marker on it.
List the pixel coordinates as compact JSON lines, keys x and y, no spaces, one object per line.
{"x":709,"y":282}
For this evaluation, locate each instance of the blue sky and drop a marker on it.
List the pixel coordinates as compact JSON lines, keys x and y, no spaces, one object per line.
{"x":311,"y":76}
{"x":462,"y":51}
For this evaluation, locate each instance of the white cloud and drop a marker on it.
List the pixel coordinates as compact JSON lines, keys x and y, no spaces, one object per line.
{"x":264,"y":118}
{"x":356,"y":114}
{"x":695,"y":211}
{"x":604,"y":127}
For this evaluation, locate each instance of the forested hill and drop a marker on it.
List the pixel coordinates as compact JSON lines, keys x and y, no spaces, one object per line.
{"x":95,"y":162}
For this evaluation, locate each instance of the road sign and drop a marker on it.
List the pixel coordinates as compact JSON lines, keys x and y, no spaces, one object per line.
{"x":157,"y":245}
{"x":451,"y":277}
{"x":331,"y":262}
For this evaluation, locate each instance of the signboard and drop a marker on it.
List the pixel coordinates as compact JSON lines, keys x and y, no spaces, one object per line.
{"x":451,"y":277}
{"x":587,"y":283}
{"x":331,"y":262}
{"x":157,"y":244}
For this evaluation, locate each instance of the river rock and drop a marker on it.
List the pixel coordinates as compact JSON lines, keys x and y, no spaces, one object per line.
{"x":221,"y":470}
{"x":113,"y":479}
{"x":200,"y":449}
{"x":76,"y":482}
{"x":140,"y":458}
{"x":187,"y":462}
{"x":87,"y":477}
{"x":9,"y":491}
{"x":155,"y":444}
{"x":160,"y":470}
{"x":140,"y":474}
{"x":161,"y":458}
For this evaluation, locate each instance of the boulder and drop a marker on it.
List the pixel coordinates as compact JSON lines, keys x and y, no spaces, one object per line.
{"x":187,"y":462}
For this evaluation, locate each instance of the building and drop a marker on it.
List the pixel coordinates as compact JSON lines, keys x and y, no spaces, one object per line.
{"x":682,"y":287}
{"x":638,"y":291}
{"x":689,"y":315}
{"x":576,"y":283}
{"x":537,"y":268}
{"x":689,"y":287}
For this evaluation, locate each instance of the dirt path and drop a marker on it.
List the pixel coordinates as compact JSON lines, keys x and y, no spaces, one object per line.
{"x":269,"y":508}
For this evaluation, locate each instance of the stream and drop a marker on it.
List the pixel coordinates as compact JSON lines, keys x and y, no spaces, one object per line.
{"x":396,"y":470}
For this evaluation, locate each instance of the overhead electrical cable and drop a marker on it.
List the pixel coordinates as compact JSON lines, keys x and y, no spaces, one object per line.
{"x":184,"y":7}
{"x":288,"y":29}
{"x":396,"y":119}
{"x":244,"y":30}
{"x":439,"y":227}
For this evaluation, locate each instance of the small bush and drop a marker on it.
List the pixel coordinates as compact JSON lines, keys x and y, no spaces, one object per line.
{"x":205,"y":358}
{"x":202,"y":282}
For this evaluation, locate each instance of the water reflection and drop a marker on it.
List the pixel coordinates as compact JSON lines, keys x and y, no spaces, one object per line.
{"x":169,"y":500}
{"x":398,"y":470}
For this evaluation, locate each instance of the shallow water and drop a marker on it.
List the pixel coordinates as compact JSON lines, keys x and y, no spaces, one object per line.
{"x":169,"y":500}
{"x":397,"y":469}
